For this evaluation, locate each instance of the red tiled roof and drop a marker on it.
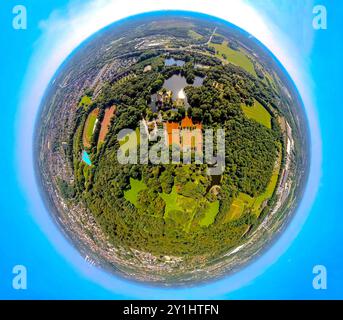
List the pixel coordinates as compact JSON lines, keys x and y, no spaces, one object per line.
{"x":185,"y":123}
{"x":171,"y":126}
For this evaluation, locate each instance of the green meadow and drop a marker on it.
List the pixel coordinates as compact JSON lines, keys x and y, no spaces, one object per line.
{"x":236,"y":57}
{"x":194,"y":35}
{"x":132,"y":194}
{"x":85,"y":102}
{"x":179,"y":208}
{"x":258,"y":113}
{"x":183,"y":209}
{"x":210,"y":214}
{"x":238,"y":206}
{"x":89,"y":127}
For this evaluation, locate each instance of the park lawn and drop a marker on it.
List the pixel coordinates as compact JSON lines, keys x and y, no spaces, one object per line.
{"x":196,"y":36}
{"x":177,"y":202}
{"x":183,"y":209}
{"x":238,"y":206}
{"x":89,"y":127}
{"x":171,"y":201}
{"x":132,"y":194}
{"x":179,"y":208}
{"x":85,"y":102}
{"x":236,"y":210}
{"x":236,"y":57}
{"x":210,"y":214}
{"x":258,"y":113}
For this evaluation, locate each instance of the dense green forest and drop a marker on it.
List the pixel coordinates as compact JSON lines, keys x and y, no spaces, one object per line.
{"x":251,"y":150}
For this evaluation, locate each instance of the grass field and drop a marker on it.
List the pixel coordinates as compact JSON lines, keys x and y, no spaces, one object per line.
{"x":238,"y":206}
{"x":236,"y":57}
{"x":244,"y":201}
{"x":196,"y":36}
{"x":258,"y":113}
{"x":89,"y":128}
{"x":183,"y":209}
{"x":210,"y":214}
{"x":177,"y":202}
{"x":85,"y":102}
{"x":179,"y":208}
{"x":132,"y":194}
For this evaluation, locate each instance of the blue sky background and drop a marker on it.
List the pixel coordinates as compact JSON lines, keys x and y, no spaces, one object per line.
{"x":52,"y":276}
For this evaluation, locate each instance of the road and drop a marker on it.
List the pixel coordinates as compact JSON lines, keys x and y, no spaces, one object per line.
{"x":213,"y":33}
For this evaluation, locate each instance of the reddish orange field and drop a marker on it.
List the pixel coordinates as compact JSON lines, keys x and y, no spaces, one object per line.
{"x":105,"y":123}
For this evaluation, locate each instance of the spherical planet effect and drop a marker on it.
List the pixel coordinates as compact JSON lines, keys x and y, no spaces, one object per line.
{"x":124,"y":154}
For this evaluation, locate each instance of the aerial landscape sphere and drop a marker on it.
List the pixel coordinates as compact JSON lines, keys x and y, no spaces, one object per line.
{"x":171,"y":148}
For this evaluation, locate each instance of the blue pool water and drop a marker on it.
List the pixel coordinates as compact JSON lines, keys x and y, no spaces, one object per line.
{"x":85,"y":158}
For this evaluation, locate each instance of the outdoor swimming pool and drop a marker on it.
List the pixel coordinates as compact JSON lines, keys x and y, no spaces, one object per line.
{"x":85,"y":158}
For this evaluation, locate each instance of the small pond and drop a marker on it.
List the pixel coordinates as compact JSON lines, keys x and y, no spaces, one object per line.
{"x":172,"y":62}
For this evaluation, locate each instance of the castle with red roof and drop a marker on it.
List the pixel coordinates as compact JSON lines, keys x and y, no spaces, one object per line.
{"x":185,"y":134}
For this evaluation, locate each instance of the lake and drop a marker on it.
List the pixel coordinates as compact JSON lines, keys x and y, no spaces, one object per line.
{"x":177,"y":84}
{"x":172,"y":62}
